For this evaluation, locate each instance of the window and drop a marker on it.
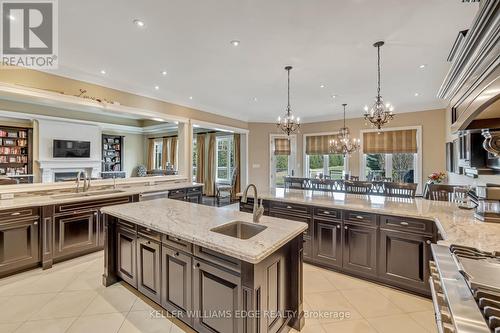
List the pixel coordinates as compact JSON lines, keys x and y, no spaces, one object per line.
{"x":158,"y":152}
{"x":393,"y":155}
{"x":224,"y":158}
{"x":331,"y":165}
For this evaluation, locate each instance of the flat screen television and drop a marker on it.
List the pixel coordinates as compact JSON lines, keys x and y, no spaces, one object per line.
{"x":71,"y":149}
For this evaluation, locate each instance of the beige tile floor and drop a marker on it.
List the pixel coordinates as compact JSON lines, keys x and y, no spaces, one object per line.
{"x":70,"y":298}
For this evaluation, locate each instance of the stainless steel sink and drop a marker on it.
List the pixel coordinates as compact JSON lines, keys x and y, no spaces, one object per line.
{"x":85,"y":194}
{"x":239,"y":229}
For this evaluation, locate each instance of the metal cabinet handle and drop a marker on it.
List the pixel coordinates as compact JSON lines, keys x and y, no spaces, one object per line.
{"x":326,"y":212}
{"x":428,"y":241}
{"x":289,"y":207}
{"x":403,"y":223}
{"x":176,"y":254}
{"x":35,"y":223}
{"x":196,"y":266}
{"x":148,"y":242}
{"x":15,"y":214}
{"x":148,"y":230}
{"x":345,"y":228}
{"x":359,"y":217}
{"x":338,"y":227}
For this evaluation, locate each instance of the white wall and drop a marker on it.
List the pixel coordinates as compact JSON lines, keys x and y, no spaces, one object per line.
{"x":48,"y":130}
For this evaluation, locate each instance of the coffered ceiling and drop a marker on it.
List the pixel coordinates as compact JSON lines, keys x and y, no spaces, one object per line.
{"x":329,"y":43}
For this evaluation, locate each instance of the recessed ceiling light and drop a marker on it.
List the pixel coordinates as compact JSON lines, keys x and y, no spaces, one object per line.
{"x":235,"y":42}
{"x":416,"y":94}
{"x":164,"y":73}
{"x":158,"y":119}
{"x":139,"y":23}
{"x":422,"y":66}
{"x":157,"y":87}
{"x":190,"y":97}
{"x":255,"y":99}
{"x":334,"y":96}
{"x":103,"y":72}
{"x":322,"y":86}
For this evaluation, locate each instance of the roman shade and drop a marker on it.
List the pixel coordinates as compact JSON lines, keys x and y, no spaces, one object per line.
{"x":390,"y":142}
{"x":319,"y":144}
{"x":282,"y":146}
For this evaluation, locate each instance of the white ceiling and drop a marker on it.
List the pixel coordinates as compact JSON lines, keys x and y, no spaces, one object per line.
{"x":327,"y":41}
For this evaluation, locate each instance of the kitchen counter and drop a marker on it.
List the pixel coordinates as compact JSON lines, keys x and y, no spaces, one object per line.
{"x":456,"y":226}
{"x":56,"y":196}
{"x":192,"y":223}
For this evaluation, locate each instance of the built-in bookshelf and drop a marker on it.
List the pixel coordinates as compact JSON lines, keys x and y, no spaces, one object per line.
{"x":112,"y":147}
{"x":16,"y":152}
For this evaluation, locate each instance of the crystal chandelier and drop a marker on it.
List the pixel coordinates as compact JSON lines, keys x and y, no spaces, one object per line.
{"x":379,"y":114}
{"x":344,"y":144}
{"x":288,"y":124}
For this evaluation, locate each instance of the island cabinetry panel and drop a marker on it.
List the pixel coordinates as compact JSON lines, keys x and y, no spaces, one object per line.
{"x":328,"y":242}
{"x":406,"y":224}
{"x":75,"y":233}
{"x":148,"y":264}
{"x":360,"y":249}
{"x":216,"y":299}
{"x":176,"y":277}
{"x":126,"y":253}
{"x":19,"y":239}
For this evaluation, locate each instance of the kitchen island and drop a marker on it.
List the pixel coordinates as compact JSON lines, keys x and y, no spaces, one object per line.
{"x":212,"y":268}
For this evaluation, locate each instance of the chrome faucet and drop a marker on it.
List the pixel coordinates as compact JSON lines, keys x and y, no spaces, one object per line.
{"x":86,"y":181}
{"x":258,"y":211}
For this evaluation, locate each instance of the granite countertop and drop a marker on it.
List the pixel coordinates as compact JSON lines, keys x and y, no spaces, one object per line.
{"x":44,"y":198}
{"x":457,"y":226}
{"x":192,"y":222}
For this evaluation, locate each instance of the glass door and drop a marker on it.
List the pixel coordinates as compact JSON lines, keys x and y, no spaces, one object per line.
{"x":282,"y":165}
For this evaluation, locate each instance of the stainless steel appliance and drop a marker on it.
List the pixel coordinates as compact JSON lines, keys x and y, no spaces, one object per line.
{"x":153,"y":195}
{"x":465,"y":287}
{"x":488,"y":203}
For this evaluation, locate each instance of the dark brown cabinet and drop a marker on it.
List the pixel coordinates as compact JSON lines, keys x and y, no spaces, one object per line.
{"x":75,"y":233}
{"x":148,"y":267}
{"x":176,"y":280}
{"x":328,"y":242}
{"x":216,"y":291}
{"x":360,"y":249}
{"x":404,"y":258}
{"x":127,"y":255}
{"x":19,"y":244}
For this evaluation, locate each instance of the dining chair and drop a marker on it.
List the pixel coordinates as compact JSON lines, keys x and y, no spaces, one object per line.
{"x":441,"y":192}
{"x":358,"y":187}
{"x":401,"y":190}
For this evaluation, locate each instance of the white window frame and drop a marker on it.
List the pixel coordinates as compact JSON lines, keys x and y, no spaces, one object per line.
{"x":194,"y":165}
{"x":229,"y":153}
{"x":157,"y":143}
{"x":325,"y":160}
{"x":292,"y":158}
{"x":388,"y":165}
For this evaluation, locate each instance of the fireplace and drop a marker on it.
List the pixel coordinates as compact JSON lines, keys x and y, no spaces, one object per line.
{"x":58,"y":170}
{"x":65,"y":176}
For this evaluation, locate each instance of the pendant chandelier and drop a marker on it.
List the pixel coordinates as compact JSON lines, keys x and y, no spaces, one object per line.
{"x":288,"y":124}
{"x":379,"y":114}
{"x":344,"y":144}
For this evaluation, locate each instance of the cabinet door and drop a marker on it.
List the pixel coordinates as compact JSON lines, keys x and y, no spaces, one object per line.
{"x":126,"y":256}
{"x":18,"y":244}
{"x":328,"y":242}
{"x":216,"y":291}
{"x":75,"y":233}
{"x":148,"y":268}
{"x":404,"y":259}
{"x":360,"y":249}
{"x":176,"y":283}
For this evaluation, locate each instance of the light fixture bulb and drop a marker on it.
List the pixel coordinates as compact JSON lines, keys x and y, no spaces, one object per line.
{"x":139,"y":23}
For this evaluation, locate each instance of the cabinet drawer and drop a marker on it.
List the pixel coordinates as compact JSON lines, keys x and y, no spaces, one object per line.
{"x":297,"y":218}
{"x":406,"y":224}
{"x":177,"y":243}
{"x":14,"y":214}
{"x":149,"y":233}
{"x":328,"y":213}
{"x":85,"y":205}
{"x":178,"y":193}
{"x":193,"y":190}
{"x":360,"y":217}
{"x":217,"y":258}
{"x":131,"y":227}
{"x":290,"y":208}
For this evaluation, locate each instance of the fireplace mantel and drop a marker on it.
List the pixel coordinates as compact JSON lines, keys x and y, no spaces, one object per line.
{"x":48,"y":168}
